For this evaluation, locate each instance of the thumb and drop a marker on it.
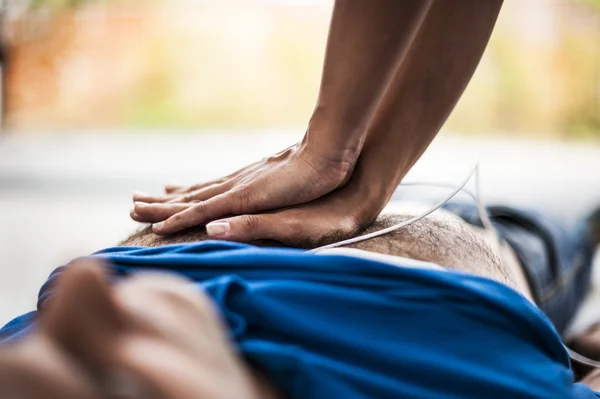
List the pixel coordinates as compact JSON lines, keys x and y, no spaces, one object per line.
{"x":83,"y":316}
{"x":245,"y":228}
{"x":293,"y":227}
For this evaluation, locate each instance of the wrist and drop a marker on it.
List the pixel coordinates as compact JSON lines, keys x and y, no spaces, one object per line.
{"x":384,"y":165}
{"x":332,"y":163}
{"x":337,"y":143}
{"x":370,"y":194}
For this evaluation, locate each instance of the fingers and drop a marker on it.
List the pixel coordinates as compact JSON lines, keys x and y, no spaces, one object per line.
{"x":182,"y":195}
{"x":83,"y":316}
{"x":178,"y":189}
{"x":153,"y":213}
{"x":296,"y":227}
{"x":305,"y":227}
{"x":202,"y":194}
{"x":136,"y":217}
{"x":250,"y":227}
{"x":241,"y":228}
{"x":196,"y":214}
{"x":239,"y":200}
{"x":310,"y":225}
{"x":175,"y":191}
{"x":172,"y":189}
{"x":143,"y":197}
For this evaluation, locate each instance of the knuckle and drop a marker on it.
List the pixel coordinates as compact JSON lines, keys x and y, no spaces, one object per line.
{"x":242,"y":199}
{"x":292,"y":224}
{"x":348,"y":224}
{"x":151,"y":212}
{"x":185,"y":198}
{"x":250,"y":222}
{"x":294,"y":231}
{"x":174,"y":222}
{"x":338,"y":229}
{"x":199,"y":208}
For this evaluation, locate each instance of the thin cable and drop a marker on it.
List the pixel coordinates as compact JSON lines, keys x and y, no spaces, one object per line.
{"x":579,"y":358}
{"x":483,"y":215}
{"x":476,"y":197}
{"x":435,"y":184}
{"x":398,"y":226}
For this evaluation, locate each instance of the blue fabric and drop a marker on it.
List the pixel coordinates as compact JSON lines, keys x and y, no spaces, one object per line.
{"x":557,"y":259}
{"x":331,"y":326}
{"x":18,"y":327}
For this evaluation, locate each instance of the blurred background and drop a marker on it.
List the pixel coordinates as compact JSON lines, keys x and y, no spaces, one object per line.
{"x":103,"y":97}
{"x":123,"y":64}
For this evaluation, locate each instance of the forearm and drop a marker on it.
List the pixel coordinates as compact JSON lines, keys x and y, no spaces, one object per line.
{"x":426,"y":86}
{"x":366,"y":39}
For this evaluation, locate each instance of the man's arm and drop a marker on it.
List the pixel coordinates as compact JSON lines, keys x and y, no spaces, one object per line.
{"x":393,"y":72}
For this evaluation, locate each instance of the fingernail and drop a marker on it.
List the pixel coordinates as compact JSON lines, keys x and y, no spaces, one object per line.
{"x":157,"y":226}
{"x":140,"y":194}
{"x":217,"y":229}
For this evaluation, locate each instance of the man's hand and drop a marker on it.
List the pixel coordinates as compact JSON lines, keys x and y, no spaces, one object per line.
{"x":292,"y":177}
{"x":335,"y":216}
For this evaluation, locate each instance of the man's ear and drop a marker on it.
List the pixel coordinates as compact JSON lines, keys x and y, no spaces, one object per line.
{"x":83,"y":317}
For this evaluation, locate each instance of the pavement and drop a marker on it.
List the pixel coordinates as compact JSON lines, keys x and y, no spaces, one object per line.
{"x":64,"y":195}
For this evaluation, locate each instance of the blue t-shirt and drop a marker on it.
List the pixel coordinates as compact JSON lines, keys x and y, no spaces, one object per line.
{"x":335,"y":326}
